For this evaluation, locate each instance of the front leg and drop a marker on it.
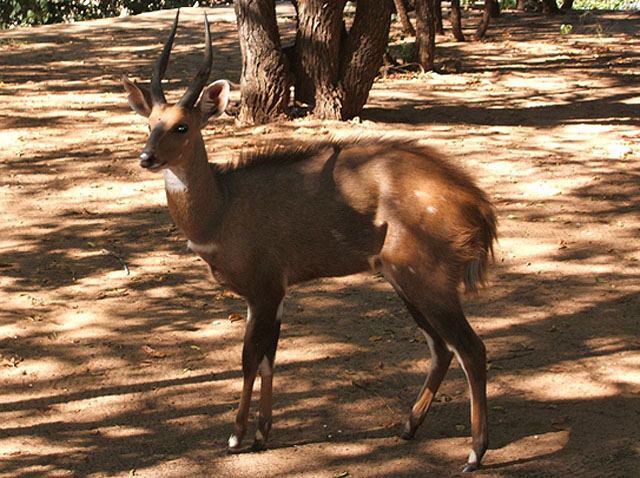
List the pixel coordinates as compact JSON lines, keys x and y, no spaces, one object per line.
{"x":258,"y":354}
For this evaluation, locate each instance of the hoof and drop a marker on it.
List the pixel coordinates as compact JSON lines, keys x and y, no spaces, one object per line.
{"x":406,"y":435}
{"x":233,"y":451}
{"x":469,"y":468}
{"x":258,"y":446}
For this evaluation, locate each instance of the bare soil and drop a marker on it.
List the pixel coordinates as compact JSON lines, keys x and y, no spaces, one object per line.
{"x":109,"y":374}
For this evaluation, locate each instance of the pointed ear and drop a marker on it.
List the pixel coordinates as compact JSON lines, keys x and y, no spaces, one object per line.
{"x":139,"y":98}
{"x":215,"y":98}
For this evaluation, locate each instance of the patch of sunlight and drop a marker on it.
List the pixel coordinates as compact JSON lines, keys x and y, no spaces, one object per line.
{"x":584,"y":128}
{"x":304,"y":353}
{"x":543,"y":189}
{"x":83,"y":325}
{"x":33,"y":444}
{"x":10,"y":138}
{"x":535,"y":446}
{"x":117,"y":194}
{"x":570,"y":385}
{"x":631,"y":101}
{"x":45,"y":367}
{"x":622,"y":371}
{"x":121,"y":431}
{"x":354,"y":450}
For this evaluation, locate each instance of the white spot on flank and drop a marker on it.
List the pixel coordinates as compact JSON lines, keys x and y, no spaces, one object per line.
{"x":412,"y":270}
{"x":173,"y":182}
{"x":431,"y":209}
{"x":207,"y":248}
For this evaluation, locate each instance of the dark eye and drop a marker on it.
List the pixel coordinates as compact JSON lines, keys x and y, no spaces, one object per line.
{"x":181,"y":128}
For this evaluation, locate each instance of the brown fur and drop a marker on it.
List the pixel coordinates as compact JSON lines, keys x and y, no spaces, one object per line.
{"x":279,"y":216}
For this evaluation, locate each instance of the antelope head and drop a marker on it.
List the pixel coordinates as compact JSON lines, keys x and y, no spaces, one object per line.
{"x":175,"y":129}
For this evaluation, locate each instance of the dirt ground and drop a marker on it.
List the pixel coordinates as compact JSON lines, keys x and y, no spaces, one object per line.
{"x":113,"y":374}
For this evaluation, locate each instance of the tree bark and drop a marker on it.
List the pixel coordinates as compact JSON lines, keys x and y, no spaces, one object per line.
{"x":438,"y":13}
{"x":265,"y":69}
{"x":550,"y":7}
{"x":487,"y":13}
{"x":495,"y":9}
{"x":335,"y":69}
{"x":332,"y":69}
{"x":317,"y":53}
{"x":567,"y":5}
{"x":362,"y":55}
{"x":426,"y":33}
{"x":456,"y":20}
{"x":401,"y":8}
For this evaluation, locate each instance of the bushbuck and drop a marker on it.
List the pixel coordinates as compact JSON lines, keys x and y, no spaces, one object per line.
{"x":280,"y":216}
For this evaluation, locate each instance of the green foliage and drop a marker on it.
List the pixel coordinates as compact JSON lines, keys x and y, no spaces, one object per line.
{"x":38,"y":12}
{"x":580,"y":4}
{"x":606,"y":4}
{"x":565,"y":28}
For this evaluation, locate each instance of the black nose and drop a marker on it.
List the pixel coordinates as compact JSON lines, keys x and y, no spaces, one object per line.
{"x":147,"y":159}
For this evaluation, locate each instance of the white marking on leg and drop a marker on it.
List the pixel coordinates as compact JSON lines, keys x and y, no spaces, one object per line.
{"x":233,"y":441}
{"x":259,"y":436}
{"x":265,"y":369}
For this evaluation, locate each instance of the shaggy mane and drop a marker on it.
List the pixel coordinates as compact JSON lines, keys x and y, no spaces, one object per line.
{"x":274,"y":154}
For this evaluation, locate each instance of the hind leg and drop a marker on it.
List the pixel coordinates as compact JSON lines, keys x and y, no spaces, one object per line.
{"x":440,"y":360}
{"x":437,"y":302}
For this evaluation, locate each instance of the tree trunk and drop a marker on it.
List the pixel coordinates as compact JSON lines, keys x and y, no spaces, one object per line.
{"x":317,"y":54}
{"x":487,"y":13}
{"x":362,"y":55}
{"x":265,"y":74}
{"x":495,"y":9}
{"x":438,"y":13}
{"x":334,"y":68}
{"x":401,"y":8}
{"x":426,"y":36}
{"x":520,"y":5}
{"x":456,"y":20}
{"x":550,"y":7}
{"x":567,"y":5}
{"x":426,"y":33}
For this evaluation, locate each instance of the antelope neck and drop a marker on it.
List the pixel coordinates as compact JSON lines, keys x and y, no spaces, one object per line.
{"x":193,"y":197}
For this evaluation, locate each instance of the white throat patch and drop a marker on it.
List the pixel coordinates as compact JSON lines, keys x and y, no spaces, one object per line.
{"x":173,"y":182}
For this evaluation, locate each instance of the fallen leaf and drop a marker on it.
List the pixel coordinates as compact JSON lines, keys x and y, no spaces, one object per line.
{"x":194,"y":347}
{"x":153,"y":352}
{"x":375,"y":338}
{"x":236,"y":317}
